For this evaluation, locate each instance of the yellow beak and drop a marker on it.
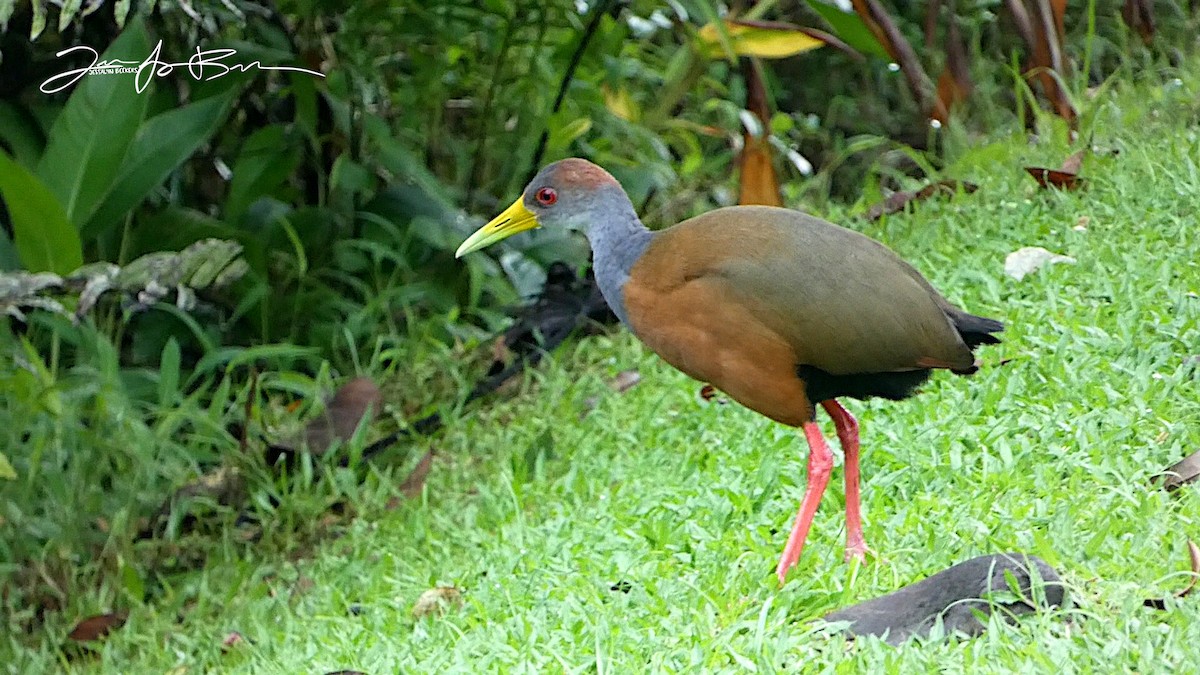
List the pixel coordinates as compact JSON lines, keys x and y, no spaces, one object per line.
{"x":515,"y":218}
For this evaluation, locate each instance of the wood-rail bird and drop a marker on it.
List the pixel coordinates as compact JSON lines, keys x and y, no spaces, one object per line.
{"x":780,"y":310}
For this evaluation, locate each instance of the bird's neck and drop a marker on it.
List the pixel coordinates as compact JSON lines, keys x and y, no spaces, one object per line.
{"x":617,"y":241}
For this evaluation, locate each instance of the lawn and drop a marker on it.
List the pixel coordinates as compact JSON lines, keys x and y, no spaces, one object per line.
{"x":642,"y":535}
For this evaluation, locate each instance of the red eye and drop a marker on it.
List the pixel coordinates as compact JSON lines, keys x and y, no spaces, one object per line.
{"x":546,"y":196}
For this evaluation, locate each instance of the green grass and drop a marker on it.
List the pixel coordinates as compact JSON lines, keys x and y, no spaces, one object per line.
{"x":536,"y":514}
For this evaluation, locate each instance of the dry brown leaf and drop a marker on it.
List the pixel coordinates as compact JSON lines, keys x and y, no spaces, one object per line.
{"x":1194,"y":558}
{"x":954,"y":84}
{"x":1053,"y":178}
{"x":415,"y":482}
{"x":1042,"y":30}
{"x":1065,"y":178}
{"x":356,"y":399}
{"x":758,"y":183}
{"x":96,"y":627}
{"x":625,"y":380}
{"x":898,"y":200}
{"x":232,"y":641}
{"x":710,"y":394}
{"x":1139,"y":16}
{"x":436,"y":601}
{"x":1074,"y":162}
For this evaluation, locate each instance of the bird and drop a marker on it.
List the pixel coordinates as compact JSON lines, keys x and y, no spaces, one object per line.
{"x":780,"y":310}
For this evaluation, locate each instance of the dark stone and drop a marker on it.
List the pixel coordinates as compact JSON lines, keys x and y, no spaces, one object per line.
{"x":957,"y":598}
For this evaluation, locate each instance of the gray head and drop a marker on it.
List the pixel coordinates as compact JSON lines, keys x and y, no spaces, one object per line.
{"x":571,"y":193}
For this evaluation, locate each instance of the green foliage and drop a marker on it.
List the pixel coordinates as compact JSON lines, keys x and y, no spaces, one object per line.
{"x":643,"y":536}
{"x":161,"y":145}
{"x":44,"y":236}
{"x":92,"y":134}
{"x":349,"y":193}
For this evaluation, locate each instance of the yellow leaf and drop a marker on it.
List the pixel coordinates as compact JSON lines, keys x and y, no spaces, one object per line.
{"x":767,"y":41}
{"x":620,"y":103}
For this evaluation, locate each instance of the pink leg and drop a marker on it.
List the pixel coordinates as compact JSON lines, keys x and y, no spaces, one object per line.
{"x":847,"y":431}
{"x":820,"y":463}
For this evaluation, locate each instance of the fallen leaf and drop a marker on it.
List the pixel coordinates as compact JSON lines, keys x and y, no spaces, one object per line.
{"x":96,"y":627}
{"x":1194,"y":556}
{"x":898,"y":200}
{"x":414,"y":483}
{"x":355,"y":400}
{"x":1074,"y":162}
{"x":1186,"y":470}
{"x":1054,"y":178}
{"x":625,"y":380}
{"x":708,"y":394}
{"x":232,"y":641}
{"x":412,"y":486}
{"x":621,"y":383}
{"x":436,"y":600}
{"x":1027,"y":260}
{"x":1065,"y":178}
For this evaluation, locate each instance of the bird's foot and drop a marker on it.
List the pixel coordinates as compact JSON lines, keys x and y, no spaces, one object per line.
{"x":858,"y":550}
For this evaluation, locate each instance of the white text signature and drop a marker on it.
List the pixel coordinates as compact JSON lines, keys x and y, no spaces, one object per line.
{"x":204,"y":65}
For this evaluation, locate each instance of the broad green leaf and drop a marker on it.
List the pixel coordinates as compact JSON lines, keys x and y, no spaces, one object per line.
{"x":162,"y":143}
{"x":7,"y":472}
{"x":46,"y":241}
{"x":266,"y":160}
{"x":92,"y":135}
{"x":761,"y":39}
{"x":850,"y":28}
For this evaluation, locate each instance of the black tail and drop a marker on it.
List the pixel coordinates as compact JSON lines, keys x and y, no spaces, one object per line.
{"x":976,"y":330}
